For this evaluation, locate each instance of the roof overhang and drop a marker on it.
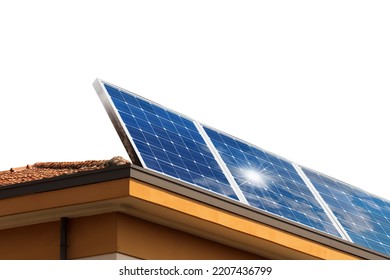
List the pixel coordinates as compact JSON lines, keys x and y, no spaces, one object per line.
{"x":154,"y":197}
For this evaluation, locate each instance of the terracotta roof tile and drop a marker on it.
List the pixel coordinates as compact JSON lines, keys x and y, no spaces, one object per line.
{"x":44,"y":170}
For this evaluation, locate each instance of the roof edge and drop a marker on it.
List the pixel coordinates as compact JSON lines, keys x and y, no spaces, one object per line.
{"x":66,"y":181}
{"x":236,"y":208}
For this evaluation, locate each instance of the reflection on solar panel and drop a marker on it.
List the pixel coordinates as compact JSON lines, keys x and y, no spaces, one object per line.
{"x":172,"y":144}
{"x":366,"y":218}
{"x":270,"y":183}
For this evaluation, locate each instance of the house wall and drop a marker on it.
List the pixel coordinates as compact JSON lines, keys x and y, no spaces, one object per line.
{"x":153,"y":220}
{"x":34,"y":242}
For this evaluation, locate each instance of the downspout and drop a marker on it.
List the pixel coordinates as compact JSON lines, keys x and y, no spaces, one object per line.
{"x":63,"y":238}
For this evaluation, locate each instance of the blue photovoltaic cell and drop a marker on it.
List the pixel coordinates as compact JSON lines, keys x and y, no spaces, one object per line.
{"x":270,"y":183}
{"x":169,"y":143}
{"x":365,"y":217}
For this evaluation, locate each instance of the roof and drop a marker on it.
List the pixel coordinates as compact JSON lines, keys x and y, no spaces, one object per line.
{"x":45,"y":170}
{"x":116,"y":185}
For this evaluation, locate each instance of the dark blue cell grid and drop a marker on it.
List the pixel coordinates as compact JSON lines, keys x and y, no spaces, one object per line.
{"x":169,"y":143}
{"x":270,"y":183}
{"x":365,"y":217}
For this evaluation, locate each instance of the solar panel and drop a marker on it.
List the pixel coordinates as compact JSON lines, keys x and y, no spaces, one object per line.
{"x":165,"y":141}
{"x":174,"y":145}
{"x":270,"y":183}
{"x":366,"y":218}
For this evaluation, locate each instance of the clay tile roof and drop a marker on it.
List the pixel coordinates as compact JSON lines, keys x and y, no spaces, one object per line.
{"x":44,"y":170}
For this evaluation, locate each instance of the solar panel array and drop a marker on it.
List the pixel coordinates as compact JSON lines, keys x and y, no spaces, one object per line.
{"x":177,"y":146}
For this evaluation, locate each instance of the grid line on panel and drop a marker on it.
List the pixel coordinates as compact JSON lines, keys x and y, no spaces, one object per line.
{"x":167,"y":142}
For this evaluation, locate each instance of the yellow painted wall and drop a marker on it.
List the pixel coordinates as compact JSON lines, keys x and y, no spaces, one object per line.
{"x":34,"y":242}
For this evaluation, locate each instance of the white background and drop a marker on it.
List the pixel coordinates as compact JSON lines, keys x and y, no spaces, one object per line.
{"x":307,"y":80}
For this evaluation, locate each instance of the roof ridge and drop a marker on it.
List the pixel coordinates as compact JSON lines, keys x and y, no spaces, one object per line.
{"x":71,"y":164}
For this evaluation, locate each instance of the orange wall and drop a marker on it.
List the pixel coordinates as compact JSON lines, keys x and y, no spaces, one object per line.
{"x":92,"y":235}
{"x":33,"y":242}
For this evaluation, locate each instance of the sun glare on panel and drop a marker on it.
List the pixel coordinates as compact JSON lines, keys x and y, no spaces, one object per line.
{"x":255,"y":178}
